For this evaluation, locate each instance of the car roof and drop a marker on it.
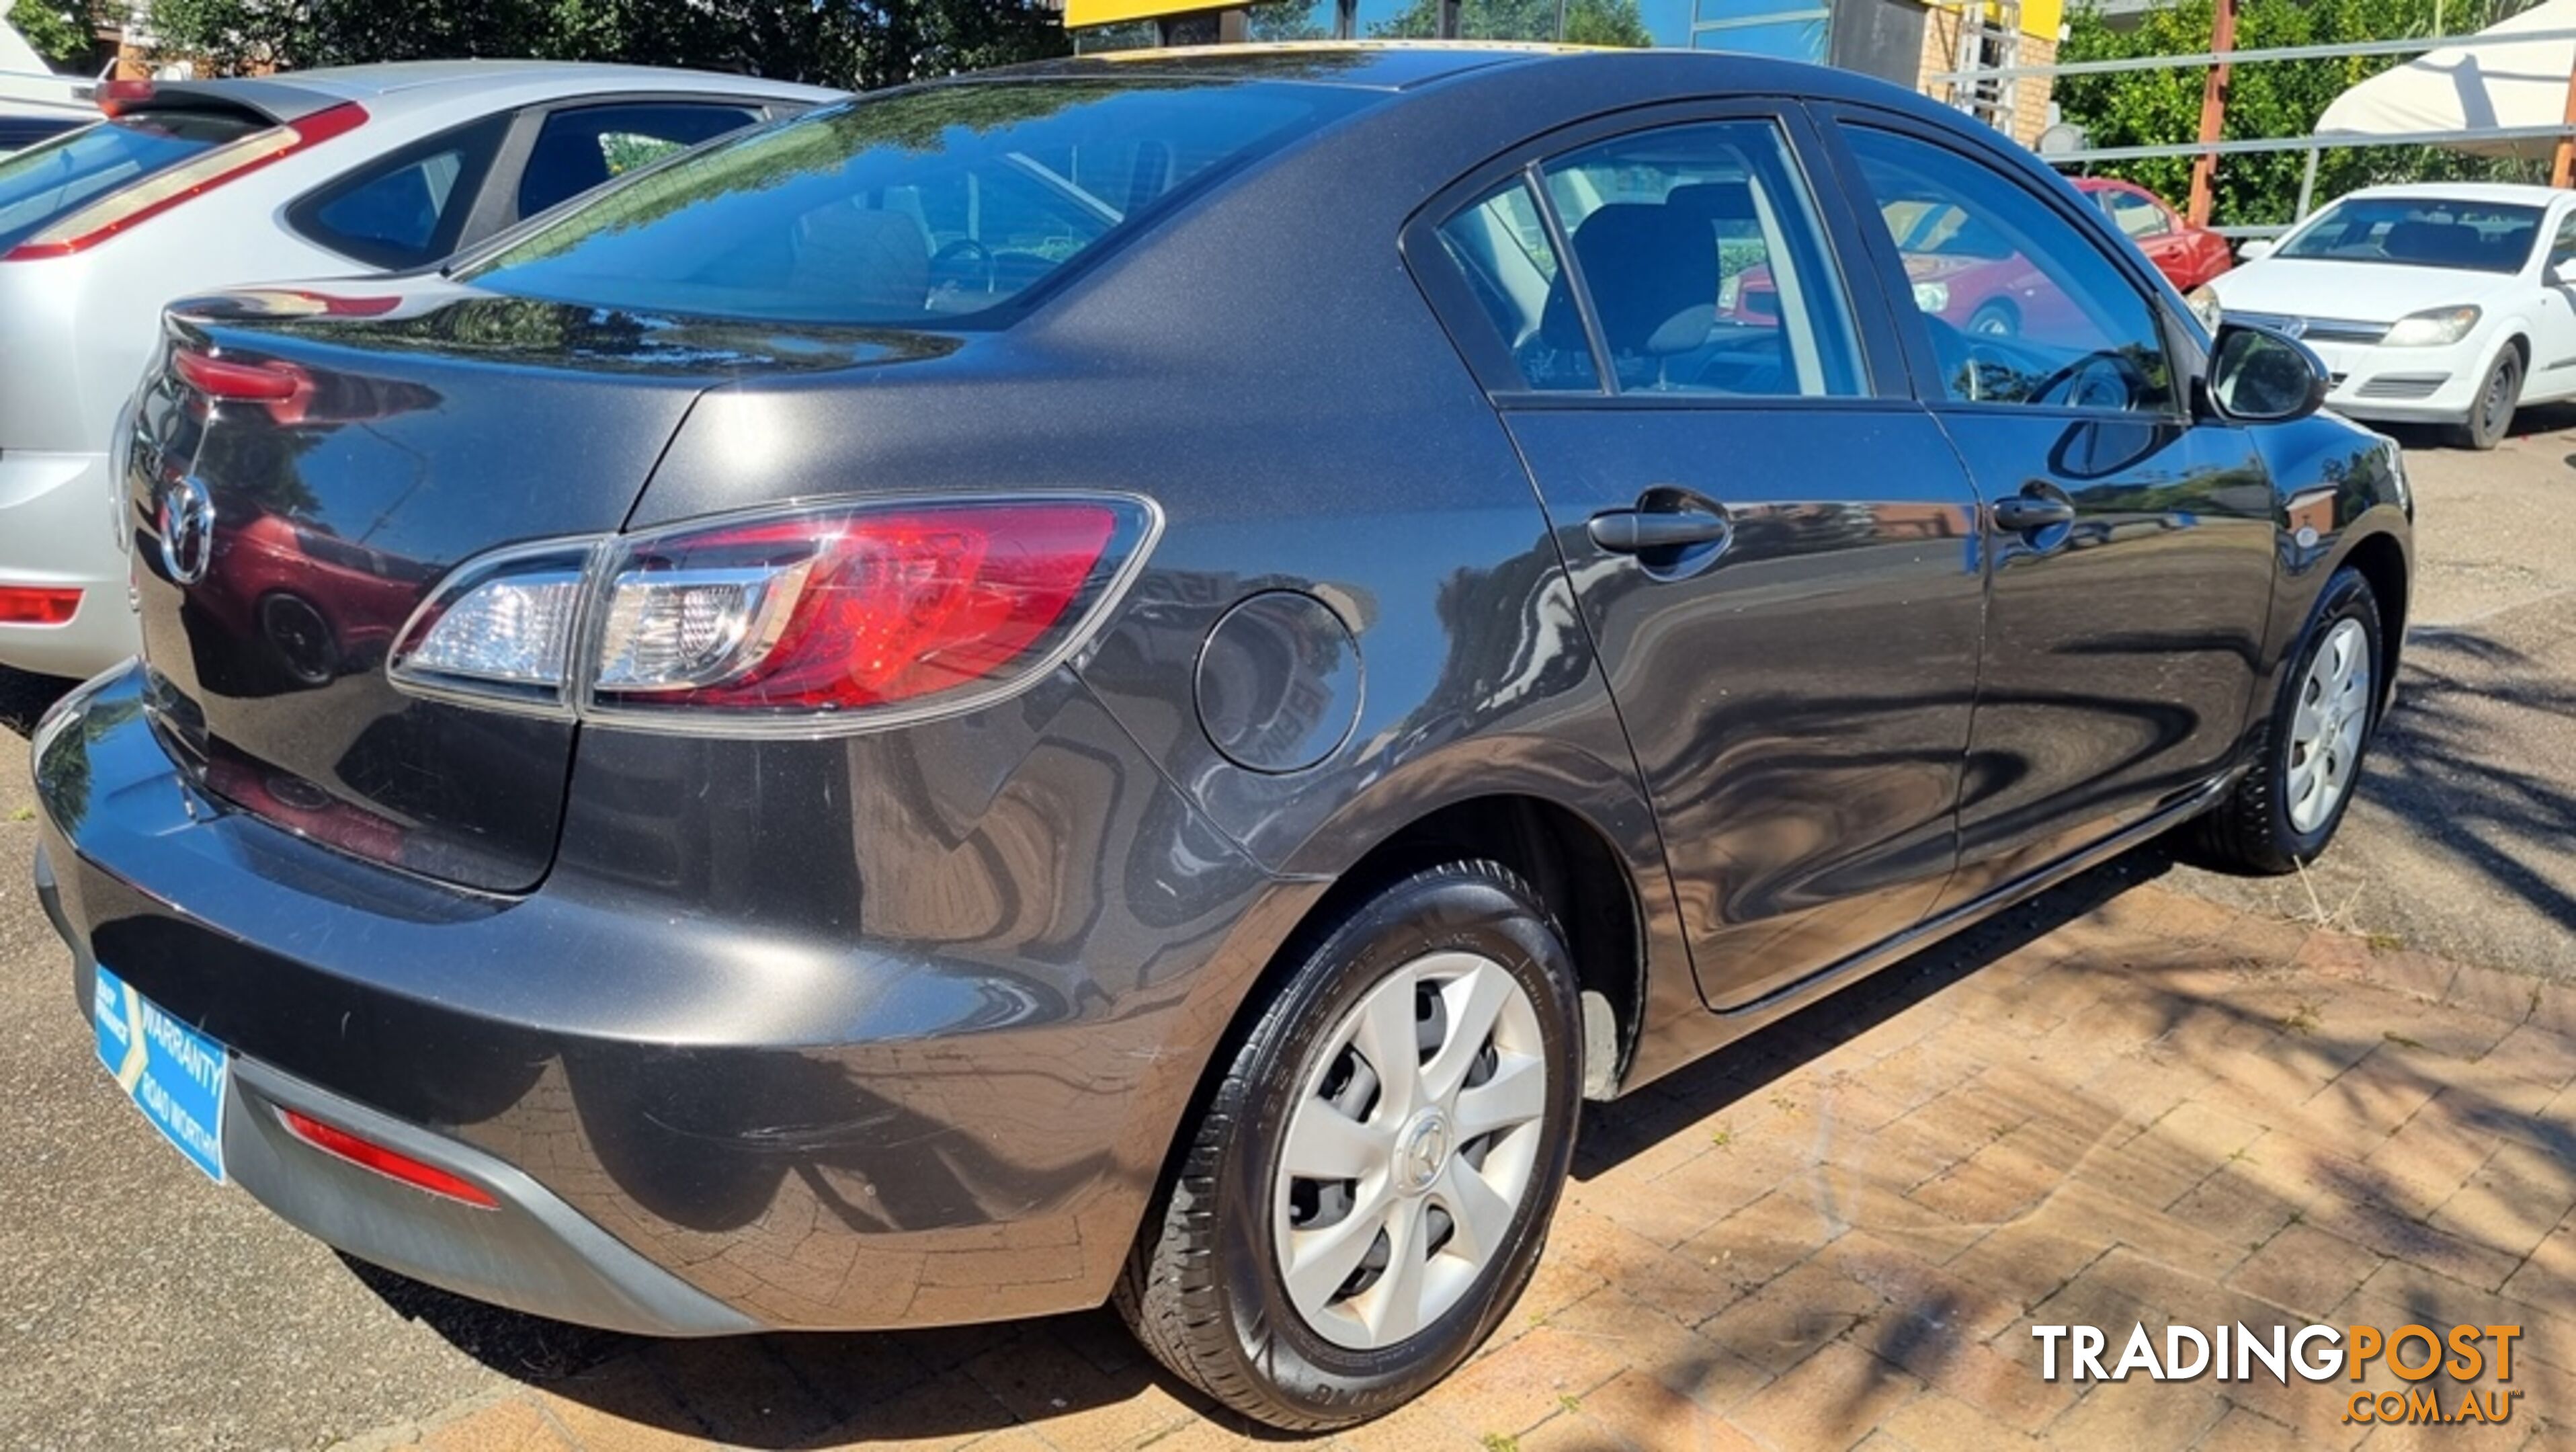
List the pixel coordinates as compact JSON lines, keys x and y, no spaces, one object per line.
{"x":2510,"y":193}
{"x":399,"y":84}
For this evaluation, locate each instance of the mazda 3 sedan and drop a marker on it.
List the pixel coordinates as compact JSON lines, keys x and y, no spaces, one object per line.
{"x":1127,"y":680}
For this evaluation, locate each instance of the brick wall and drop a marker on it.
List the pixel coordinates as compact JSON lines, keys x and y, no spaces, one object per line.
{"x":1941,"y":41}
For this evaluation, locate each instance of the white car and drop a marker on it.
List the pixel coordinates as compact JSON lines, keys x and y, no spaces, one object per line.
{"x":2449,"y":303}
{"x":191,"y":187}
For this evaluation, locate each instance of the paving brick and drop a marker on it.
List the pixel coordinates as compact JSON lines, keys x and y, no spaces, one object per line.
{"x":1831,"y":1399}
{"x":1526,"y":1382}
{"x":1939,"y":1422}
{"x":1637,"y":1411}
{"x":517,"y":1424}
{"x":1645,"y":1339}
{"x":2305,"y":1269}
{"x":2512,"y":1200}
{"x":1786,"y":1321}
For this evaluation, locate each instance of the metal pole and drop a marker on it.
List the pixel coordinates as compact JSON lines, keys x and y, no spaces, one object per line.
{"x":1560,"y":22}
{"x":2213,"y":109}
{"x":2307,"y":186}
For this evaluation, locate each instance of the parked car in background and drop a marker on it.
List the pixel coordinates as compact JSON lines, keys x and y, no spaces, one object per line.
{"x":35,"y":103}
{"x":2187,"y":255}
{"x":888,"y":724}
{"x":185,"y":186}
{"x":2436,"y":302}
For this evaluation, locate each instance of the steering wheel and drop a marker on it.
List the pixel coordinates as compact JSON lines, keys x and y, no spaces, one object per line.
{"x":979,"y":264}
{"x":1965,"y":357}
{"x":2104,"y":378}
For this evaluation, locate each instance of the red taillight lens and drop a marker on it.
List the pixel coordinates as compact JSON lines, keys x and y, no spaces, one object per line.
{"x":118,"y":97}
{"x":831,"y":617}
{"x":158,"y":193}
{"x":333,"y":1140}
{"x":227,"y":380}
{"x":37,"y":605}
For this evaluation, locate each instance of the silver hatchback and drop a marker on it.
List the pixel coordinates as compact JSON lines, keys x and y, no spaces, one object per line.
{"x":186,"y":187}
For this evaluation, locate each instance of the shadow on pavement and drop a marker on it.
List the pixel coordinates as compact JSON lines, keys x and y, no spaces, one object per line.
{"x":24,"y":697}
{"x":788,"y":1390}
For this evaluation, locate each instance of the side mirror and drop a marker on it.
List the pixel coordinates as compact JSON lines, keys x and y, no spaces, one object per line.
{"x":2259,"y":376}
{"x":2255,"y":249}
{"x":2563,"y":272}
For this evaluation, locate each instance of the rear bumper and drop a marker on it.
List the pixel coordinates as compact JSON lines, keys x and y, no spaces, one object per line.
{"x":530,"y":1251}
{"x":56,"y":518}
{"x":696,"y":1125}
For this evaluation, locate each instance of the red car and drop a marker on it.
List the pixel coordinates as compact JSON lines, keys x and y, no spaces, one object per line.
{"x":2187,"y":255}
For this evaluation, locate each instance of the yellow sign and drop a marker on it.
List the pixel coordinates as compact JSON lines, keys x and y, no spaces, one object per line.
{"x":1111,"y":12}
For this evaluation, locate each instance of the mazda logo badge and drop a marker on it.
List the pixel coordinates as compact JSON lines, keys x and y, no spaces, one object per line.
{"x":187,"y":530}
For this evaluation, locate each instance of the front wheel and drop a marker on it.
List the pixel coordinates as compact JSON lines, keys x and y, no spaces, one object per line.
{"x":1369,"y":1185}
{"x":2491,"y":415}
{"x":2286,"y":807}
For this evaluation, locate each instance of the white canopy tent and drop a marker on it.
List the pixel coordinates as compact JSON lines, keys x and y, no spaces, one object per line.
{"x":2507,"y":84}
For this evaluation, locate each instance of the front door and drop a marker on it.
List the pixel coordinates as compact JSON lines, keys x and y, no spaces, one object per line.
{"x":2131,"y":548}
{"x":1776,"y":555}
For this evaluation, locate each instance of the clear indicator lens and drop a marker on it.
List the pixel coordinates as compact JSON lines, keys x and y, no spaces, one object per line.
{"x":674,"y":630}
{"x":516,"y":629}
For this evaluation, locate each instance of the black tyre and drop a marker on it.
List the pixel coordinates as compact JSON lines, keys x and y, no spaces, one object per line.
{"x":1996,"y":319}
{"x":2308,"y":752}
{"x":1369,"y":1183}
{"x":2491,"y":415}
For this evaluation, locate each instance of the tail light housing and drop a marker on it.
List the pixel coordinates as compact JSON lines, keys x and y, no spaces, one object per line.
{"x":804,"y":621}
{"x":38,"y":604}
{"x":125,"y":207}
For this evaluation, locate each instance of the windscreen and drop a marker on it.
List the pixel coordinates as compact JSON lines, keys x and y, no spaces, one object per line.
{"x":2419,"y":232}
{"x":934,"y":206}
{"x":48,"y":182}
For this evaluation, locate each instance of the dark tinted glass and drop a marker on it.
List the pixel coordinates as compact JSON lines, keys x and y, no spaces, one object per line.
{"x":1704,"y":264}
{"x":927,"y":205}
{"x":2022,"y":305}
{"x":578,"y":150}
{"x":2418,"y":232}
{"x":407,"y":210}
{"x":47,"y":182}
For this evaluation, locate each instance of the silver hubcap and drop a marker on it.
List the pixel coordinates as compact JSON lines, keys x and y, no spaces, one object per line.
{"x":2326,"y":732}
{"x":1410,"y":1148}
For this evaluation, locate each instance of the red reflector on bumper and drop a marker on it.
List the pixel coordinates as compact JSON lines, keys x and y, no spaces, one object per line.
{"x":367,"y":1153}
{"x":29,"y":605}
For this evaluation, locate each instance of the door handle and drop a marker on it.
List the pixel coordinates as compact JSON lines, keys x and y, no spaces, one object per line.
{"x":2022,"y":513}
{"x":1637,"y":532}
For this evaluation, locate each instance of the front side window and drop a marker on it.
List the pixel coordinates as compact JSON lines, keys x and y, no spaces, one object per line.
{"x":2418,"y":232}
{"x":2022,"y":306}
{"x":2134,"y":214}
{"x":923,"y":206}
{"x":1698,"y":253}
{"x":588,"y":146}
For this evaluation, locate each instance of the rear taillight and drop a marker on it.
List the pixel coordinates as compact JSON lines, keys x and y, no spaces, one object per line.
{"x":37,"y":605}
{"x":827,"y":618}
{"x":338,"y":1142}
{"x":196,"y":176}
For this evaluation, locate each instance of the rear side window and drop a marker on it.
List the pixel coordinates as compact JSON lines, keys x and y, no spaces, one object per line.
{"x":580,"y":149}
{"x":409,"y":209}
{"x":932,"y":205}
{"x":1699,"y":255}
{"x":47,"y":182}
{"x":2133,"y":214}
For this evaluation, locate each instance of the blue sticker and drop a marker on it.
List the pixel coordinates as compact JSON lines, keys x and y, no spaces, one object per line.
{"x":174,"y":1074}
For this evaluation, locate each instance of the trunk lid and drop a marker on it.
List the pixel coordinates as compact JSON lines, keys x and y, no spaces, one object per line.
{"x":431,"y":424}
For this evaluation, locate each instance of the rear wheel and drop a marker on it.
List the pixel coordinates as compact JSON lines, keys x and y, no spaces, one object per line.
{"x":2285,"y":809}
{"x":2491,"y":415}
{"x":1369,"y":1185}
{"x":1996,"y":319}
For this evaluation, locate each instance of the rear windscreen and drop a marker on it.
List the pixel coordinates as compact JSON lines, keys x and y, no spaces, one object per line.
{"x":925,"y":206}
{"x":47,"y":182}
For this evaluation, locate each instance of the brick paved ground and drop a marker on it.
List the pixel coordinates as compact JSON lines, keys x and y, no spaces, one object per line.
{"x":2120,"y":1104}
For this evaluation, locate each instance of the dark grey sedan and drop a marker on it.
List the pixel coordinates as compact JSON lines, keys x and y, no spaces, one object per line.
{"x":1127,"y":680}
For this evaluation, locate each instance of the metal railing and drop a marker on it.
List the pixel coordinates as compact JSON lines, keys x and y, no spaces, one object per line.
{"x":2312,"y":145}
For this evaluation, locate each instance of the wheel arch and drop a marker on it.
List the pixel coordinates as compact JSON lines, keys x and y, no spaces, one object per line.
{"x":2381,"y":562}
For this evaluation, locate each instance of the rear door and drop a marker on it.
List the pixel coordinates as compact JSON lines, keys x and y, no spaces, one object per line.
{"x":1774,"y":549}
{"x":2131,"y":547}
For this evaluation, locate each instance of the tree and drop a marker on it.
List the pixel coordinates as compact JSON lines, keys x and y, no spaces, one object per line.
{"x":58,"y":29}
{"x":1587,"y":22}
{"x":850,"y":43}
{"x":2271,"y":98}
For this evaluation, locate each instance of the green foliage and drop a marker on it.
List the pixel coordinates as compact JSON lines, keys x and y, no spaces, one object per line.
{"x":1587,"y":22}
{"x":2275,"y":98}
{"x":58,"y":29}
{"x":849,"y":43}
